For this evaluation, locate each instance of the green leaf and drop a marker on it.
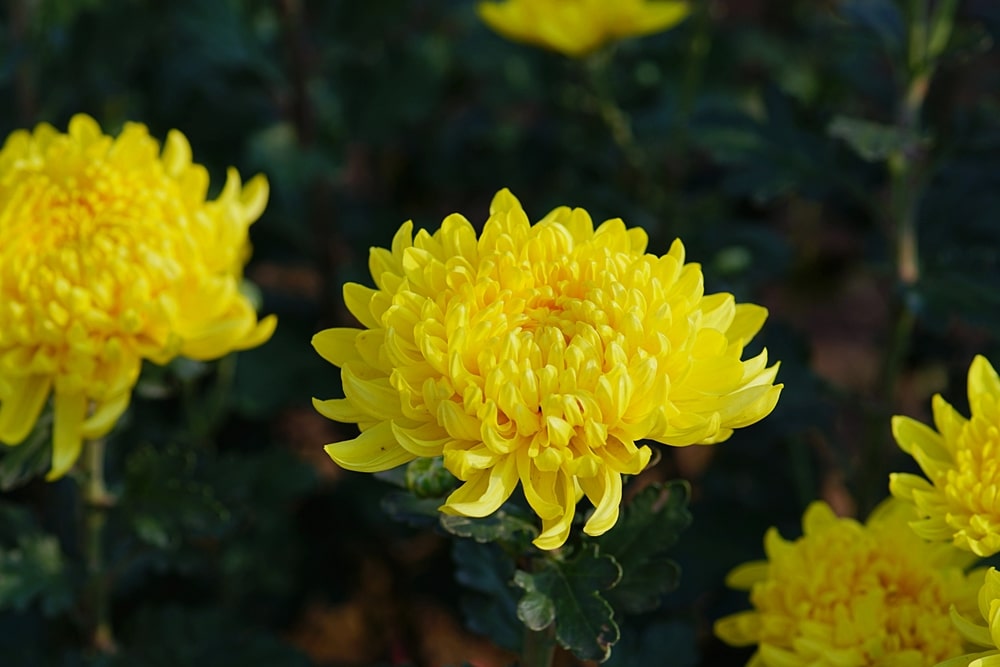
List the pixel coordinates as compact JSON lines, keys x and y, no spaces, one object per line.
{"x":501,"y":526}
{"x":489,"y":604}
{"x":584,"y":620}
{"x":34,"y":570}
{"x":24,"y":462}
{"x":662,"y":642}
{"x":648,"y":527}
{"x":165,"y":500}
{"x":881,"y":17}
{"x":411,"y":510}
{"x":535,"y":609}
{"x":873,"y":142}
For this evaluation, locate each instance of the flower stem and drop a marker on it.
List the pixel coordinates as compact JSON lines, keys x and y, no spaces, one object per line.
{"x":907,"y":167}
{"x":97,"y":501}
{"x":539,"y":647}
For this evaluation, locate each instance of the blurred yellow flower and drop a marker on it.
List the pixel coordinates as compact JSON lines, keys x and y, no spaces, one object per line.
{"x":577,"y":27}
{"x":852,"y":595}
{"x":960,"y":503}
{"x":539,"y":354}
{"x":110,"y":254}
{"x":978,"y":635}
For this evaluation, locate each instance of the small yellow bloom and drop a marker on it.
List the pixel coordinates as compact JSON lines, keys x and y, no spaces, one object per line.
{"x":988,"y":636}
{"x":110,"y":254}
{"x":539,"y":354}
{"x":961,"y":458}
{"x":851,"y":595}
{"x":578,"y":27}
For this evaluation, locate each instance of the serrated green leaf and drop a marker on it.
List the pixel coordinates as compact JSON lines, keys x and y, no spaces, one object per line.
{"x":584,"y":620}
{"x":648,"y":527}
{"x":536,"y":611}
{"x":873,"y":142}
{"x":501,"y":526}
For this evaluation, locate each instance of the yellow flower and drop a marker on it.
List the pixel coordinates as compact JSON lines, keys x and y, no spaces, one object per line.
{"x":578,"y":27}
{"x":989,"y":636}
{"x":540,"y":354}
{"x":960,"y":503}
{"x":851,"y":595}
{"x":110,"y":254}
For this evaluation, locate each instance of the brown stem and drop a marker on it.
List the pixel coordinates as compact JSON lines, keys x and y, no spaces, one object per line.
{"x":97,"y":501}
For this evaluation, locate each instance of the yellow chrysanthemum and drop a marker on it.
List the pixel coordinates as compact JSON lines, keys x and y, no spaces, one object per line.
{"x":110,"y":254}
{"x":539,"y":354}
{"x":851,"y":595}
{"x":978,"y":635}
{"x":960,"y":503}
{"x":578,"y":27}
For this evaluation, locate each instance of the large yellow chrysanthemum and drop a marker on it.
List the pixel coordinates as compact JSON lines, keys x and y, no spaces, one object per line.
{"x":978,"y":635}
{"x":540,"y":353}
{"x":578,"y":27}
{"x":961,"y":502}
{"x":110,"y":254}
{"x":852,"y":595}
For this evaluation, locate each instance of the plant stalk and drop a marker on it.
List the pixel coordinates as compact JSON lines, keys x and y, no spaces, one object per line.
{"x":97,"y":501}
{"x":539,"y":647}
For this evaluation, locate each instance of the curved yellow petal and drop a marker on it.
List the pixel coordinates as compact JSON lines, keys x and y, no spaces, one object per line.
{"x":20,"y":410}
{"x":374,"y":450}
{"x":69,"y":412}
{"x":485,"y":492}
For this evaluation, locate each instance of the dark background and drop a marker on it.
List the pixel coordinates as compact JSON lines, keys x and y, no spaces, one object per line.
{"x":237,"y":542}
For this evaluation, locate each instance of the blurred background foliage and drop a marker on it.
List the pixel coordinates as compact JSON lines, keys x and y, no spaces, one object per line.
{"x":765,"y":133}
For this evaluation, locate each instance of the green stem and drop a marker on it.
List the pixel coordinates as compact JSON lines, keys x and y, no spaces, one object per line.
{"x":97,"y":501}
{"x":539,"y":647}
{"x":928,"y":36}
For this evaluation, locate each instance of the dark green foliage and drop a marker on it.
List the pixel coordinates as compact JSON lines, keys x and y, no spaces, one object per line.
{"x":570,"y":593}
{"x":648,"y":527}
{"x":766,"y":132}
{"x":33,"y":569}
{"x":490,"y":598}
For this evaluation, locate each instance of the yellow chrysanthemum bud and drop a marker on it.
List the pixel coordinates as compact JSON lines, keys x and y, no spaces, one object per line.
{"x":110,"y":254}
{"x":577,"y":27}
{"x":539,"y":354}
{"x":960,"y":503}
{"x":844,"y":593}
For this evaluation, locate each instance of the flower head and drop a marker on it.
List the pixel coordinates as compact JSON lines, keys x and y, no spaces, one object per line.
{"x":578,"y":27}
{"x":978,"y":635}
{"x":541,"y":354}
{"x":851,"y":595}
{"x":110,"y":254}
{"x":961,"y":502}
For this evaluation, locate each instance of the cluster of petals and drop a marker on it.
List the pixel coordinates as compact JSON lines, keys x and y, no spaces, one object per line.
{"x":110,"y":254}
{"x":978,"y":635}
{"x":958,"y":501}
{"x":539,"y":355}
{"x":852,"y":594}
{"x":578,"y":27}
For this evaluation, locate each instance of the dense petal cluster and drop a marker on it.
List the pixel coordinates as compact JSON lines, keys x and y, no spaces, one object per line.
{"x":961,"y":500}
{"x":110,"y":254}
{"x":539,"y":354}
{"x":978,"y":635}
{"x":852,"y":595}
{"x":578,"y":27}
